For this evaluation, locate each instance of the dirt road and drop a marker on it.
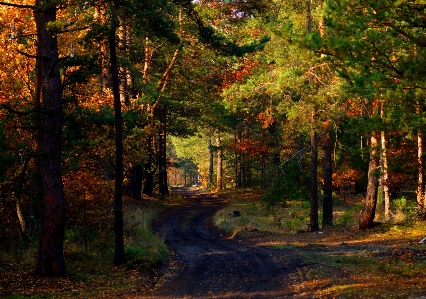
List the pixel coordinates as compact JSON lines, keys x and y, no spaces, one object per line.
{"x":205,"y":264}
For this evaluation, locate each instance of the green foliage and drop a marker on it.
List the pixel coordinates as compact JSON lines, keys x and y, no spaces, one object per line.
{"x":290,"y":184}
{"x":400,"y":203}
{"x":142,"y":247}
{"x":348,"y":217}
{"x":79,"y":235}
{"x":137,"y":256}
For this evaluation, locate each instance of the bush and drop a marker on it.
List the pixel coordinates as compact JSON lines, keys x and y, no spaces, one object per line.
{"x":288,"y":185}
{"x":139,"y":255}
{"x":142,"y":246}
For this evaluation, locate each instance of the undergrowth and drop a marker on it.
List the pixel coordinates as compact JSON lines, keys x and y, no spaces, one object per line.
{"x":89,"y":257}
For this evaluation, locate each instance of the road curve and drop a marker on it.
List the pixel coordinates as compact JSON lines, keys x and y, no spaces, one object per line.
{"x":205,"y":264}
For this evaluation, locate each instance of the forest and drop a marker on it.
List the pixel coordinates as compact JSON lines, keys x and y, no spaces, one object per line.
{"x":108,"y":102}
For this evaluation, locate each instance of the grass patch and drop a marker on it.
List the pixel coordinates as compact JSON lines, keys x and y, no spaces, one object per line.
{"x":255,"y":216}
{"x":142,"y":247}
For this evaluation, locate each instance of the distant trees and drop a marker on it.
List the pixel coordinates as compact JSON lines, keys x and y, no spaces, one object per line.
{"x":358,"y":72}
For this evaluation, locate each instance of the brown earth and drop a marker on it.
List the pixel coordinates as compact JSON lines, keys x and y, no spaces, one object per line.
{"x":349,"y":263}
{"x":208,"y":263}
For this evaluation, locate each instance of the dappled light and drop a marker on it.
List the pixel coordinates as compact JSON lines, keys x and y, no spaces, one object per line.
{"x":212,"y":149}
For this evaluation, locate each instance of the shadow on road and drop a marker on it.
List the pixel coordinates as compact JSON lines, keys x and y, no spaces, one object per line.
{"x":205,"y":264}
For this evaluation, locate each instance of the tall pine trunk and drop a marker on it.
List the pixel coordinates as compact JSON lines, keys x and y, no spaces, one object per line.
{"x":219,"y":165}
{"x":118,"y":196}
{"x":327,"y":214}
{"x":149,"y":168}
{"x":420,"y":180}
{"x":210,"y":179}
{"x":162,"y":152}
{"x":313,"y":222}
{"x":239,"y":162}
{"x":385,"y":176}
{"x":50,"y":257}
{"x":366,"y":217}
{"x":384,"y":182}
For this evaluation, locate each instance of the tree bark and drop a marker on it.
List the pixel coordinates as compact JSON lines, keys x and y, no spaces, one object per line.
{"x":219,"y":165}
{"x":327,"y":214}
{"x":150,"y":168}
{"x":162,"y":151}
{"x":135,"y":176}
{"x":210,"y":179}
{"x":118,"y":196}
{"x":50,"y":258}
{"x":385,"y":176}
{"x":36,"y":198}
{"x":239,"y":160}
{"x":19,"y":207}
{"x":420,"y":180}
{"x":313,"y":223}
{"x":366,"y":217}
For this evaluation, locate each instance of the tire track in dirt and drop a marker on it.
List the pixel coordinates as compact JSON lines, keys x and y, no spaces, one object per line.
{"x":205,"y":264}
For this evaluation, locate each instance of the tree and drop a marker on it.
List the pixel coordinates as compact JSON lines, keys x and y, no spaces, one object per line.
{"x":50,"y":260}
{"x":118,"y":201}
{"x":327,"y":212}
{"x":378,"y":44}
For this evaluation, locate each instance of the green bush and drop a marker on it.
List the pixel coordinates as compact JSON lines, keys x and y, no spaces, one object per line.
{"x":137,"y":254}
{"x":290,"y":184}
{"x":142,"y":246}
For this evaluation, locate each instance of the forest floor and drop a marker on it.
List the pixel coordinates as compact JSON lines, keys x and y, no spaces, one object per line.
{"x":337,"y":262}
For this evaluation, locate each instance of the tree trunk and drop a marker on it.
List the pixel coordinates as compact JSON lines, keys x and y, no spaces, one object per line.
{"x":150,"y":168}
{"x":36,"y":198}
{"x":327,"y":214}
{"x":210,"y":179}
{"x":313,"y":223}
{"x":50,"y":257}
{"x":135,"y":176}
{"x":420,"y":181}
{"x":118,"y":197}
{"x":103,"y":77}
{"x":19,"y":207}
{"x":219,"y":165}
{"x":368,"y":212}
{"x":148,"y":186}
{"x":385,"y":176}
{"x":162,"y":152}
{"x":239,"y":160}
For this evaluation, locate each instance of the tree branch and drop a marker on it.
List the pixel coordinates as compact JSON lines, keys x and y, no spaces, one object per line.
{"x":28,"y":55}
{"x":17,"y":5}
{"x":22,"y":113}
